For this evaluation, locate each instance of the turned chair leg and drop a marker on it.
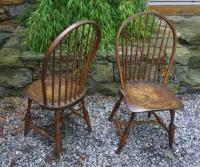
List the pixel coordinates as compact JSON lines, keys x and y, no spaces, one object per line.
{"x":115,"y":108}
{"x":171,"y":129}
{"x":57,"y":134}
{"x":27,"y":117}
{"x":86,"y":115}
{"x":124,"y":136}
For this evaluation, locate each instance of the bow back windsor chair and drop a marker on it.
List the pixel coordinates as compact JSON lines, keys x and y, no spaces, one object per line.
{"x":65,"y":69}
{"x":145,"y":50}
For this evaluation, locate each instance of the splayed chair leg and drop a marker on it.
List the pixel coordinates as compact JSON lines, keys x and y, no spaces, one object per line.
{"x":124,"y":136}
{"x":171,"y":129}
{"x":115,"y":108}
{"x":27,"y":117}
{"x":57,"y":134}
{"x":86,"y":115}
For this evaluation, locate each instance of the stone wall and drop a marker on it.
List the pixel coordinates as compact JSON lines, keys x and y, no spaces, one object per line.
{"x":187,"y":60}
{"x":19,"y":67}
{"x":10,"y":9}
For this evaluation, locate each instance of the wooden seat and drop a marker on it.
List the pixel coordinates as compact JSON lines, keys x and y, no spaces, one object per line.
{"x":145,"y":50}
{"x":143,"y":96}
{"x":65,"y":68}
{"x":34,"y":92}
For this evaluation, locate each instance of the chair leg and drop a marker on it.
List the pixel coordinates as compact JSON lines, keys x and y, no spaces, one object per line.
{"x":27,"y":117}
{"x":57,"y":134}
{"x":171,"y":129}
{"x":115,"y":108}
{"x":149,"y":114}
{"x":124,"y":136}
{"x":86,"y":115}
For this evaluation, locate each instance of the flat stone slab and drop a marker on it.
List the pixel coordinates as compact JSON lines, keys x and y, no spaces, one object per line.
{"x":31,"y":56}
{"x":4,"y":36}
{"x":15,"y":78}
{"x":188,"y":27}
{"x":8,"y":26}
{"x":10,"y":57}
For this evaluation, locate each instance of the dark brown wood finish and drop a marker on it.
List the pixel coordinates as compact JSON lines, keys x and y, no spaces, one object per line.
{"x":64,"y":73}
{"x":145,"y":50}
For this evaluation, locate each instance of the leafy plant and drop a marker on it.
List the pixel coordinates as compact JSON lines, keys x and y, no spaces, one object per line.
{"x":51,"y":17}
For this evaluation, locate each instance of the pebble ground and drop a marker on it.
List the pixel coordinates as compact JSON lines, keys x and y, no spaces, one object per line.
{"x":146,"y":146}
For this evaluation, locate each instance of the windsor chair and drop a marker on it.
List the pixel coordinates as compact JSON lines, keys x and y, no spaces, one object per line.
{"x":65,"y":68}
{"x":145,"y":50}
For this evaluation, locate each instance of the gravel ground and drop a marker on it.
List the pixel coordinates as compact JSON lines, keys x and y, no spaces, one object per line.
{"x":147,"y":145}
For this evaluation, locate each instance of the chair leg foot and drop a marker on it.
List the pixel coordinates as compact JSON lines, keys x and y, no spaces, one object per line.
{"x":171,"y":129}
{"x":124,"y":136}
{"x":27,"y":117}
{"x":57,"y":134}
{"x":115,"y":108}
{"x":86,"y":115}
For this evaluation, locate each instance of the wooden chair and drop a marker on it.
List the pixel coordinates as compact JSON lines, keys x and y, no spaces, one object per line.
{"x":145,"y":50}
{"x":65,"y":69}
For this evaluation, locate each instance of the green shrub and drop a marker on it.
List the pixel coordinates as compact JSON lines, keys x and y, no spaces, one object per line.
{"x":51,"y":17}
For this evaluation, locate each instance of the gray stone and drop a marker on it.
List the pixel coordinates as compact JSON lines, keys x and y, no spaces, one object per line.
{"x":15,"y":78}
{"x":36,"y":74}
{"x":31,"y":56}
{"x":193,"y":78}
{"x":10,"y":57}
{"x":194,"y":61}
{"x":183,"y":55}
{"x":180,"y":73}
{"x":4,"y":8}
{"x":3,"y":91}
{"x":102,"y":72}
{"x":4,"y":37}
{"x":109,"y":89}
{"x":8,"y":26}
{"x":20,"y":32}
{"x":13,"y":42}
{"x":111,"y":57}
{"x":31,"y":60}
{"x":2,"y":11}
{"x":16,"y":10}
{"x":102,"y":55}
{"x":188,"y":27}
{"x":17,"y":38}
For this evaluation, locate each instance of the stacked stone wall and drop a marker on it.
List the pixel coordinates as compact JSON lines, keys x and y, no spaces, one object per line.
{"x":19,"y":67}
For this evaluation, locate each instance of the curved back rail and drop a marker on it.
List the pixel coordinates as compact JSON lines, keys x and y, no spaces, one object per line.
{"x":145,"y":48}
{"x":67,"y":61}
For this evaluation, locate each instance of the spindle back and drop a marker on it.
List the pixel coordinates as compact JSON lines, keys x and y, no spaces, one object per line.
{"x":67,"y":61}
{"x":145,"y":48}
